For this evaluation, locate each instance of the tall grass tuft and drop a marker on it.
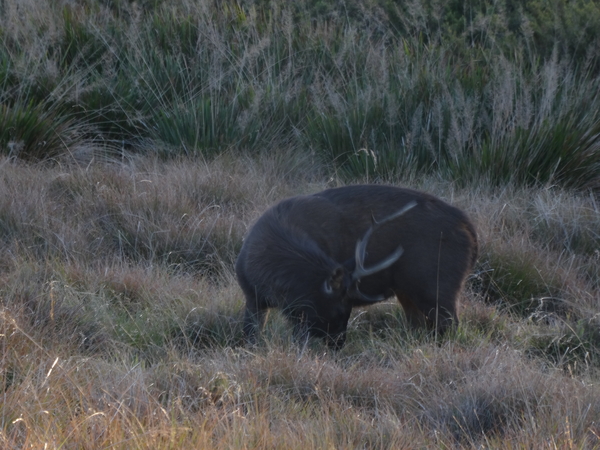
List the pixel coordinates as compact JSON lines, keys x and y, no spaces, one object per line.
{"x":374,"y":89}
{"x":32,"y":132}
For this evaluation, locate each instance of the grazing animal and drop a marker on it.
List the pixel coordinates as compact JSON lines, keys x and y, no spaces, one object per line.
{"x":317,"y":256}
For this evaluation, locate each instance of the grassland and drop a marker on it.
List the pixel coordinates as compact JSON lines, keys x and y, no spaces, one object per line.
{"x":139,"y":142}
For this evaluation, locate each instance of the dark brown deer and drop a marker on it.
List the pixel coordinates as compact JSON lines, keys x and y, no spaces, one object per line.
{"x":318,"y":256}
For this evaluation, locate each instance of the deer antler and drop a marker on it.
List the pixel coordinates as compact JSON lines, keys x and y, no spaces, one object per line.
{"x":360,"y":270}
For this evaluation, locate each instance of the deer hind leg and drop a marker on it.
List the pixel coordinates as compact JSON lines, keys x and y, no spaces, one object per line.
{"x":441,"y":308}
{"x":443,"y":316}
{"x":430,"y":310}
{"x":414,"y":316}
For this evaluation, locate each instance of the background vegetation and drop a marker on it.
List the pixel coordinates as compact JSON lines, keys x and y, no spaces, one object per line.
{"x":138,"y":142}
{"x":505,"y":90}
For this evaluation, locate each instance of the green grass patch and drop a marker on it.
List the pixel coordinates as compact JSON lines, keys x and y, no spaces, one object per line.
{"x":521,"y":282}
{"x":571,"y":345}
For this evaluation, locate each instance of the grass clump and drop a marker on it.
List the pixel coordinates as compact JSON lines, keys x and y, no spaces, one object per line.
{"x":376,"y":89}
{"x":521,"y":282}
{"x":569,"y":344}
{"x":34,"y":132}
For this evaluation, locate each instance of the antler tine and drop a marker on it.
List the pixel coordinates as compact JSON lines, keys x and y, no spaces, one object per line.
{"x":360,"y":271}
{"x":361,"y":250}
{"x":361,"y":247}
{"x":410,"y":205}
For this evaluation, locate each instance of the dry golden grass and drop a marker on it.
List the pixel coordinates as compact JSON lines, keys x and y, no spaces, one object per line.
{"x":120,"y":321}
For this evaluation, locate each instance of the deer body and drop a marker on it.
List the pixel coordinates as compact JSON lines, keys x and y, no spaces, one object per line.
{"x":318,"y":256}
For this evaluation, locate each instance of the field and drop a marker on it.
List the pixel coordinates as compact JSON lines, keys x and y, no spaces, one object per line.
{"x":138,"y":143}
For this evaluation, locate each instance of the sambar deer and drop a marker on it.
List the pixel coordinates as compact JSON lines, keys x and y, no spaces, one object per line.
{"x":317,"y":256}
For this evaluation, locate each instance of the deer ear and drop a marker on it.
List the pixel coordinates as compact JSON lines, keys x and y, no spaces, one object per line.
{"x":334,"y":281}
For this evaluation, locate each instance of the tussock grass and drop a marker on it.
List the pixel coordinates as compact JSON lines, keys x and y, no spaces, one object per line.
{"x":108,"y":341}
{"x":376,"y":89}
